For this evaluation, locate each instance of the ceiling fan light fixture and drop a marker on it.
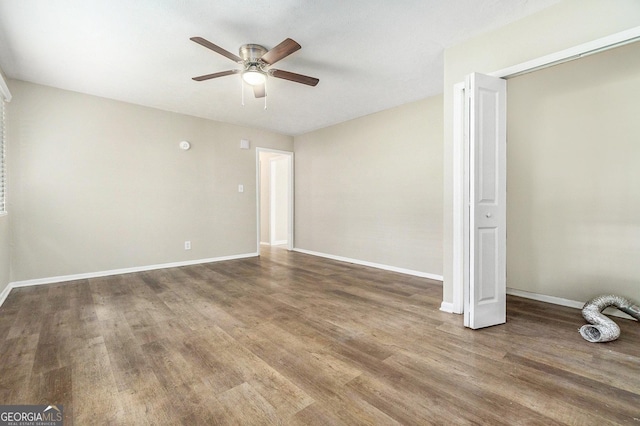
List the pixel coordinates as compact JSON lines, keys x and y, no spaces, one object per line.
{"x":254,"y":76}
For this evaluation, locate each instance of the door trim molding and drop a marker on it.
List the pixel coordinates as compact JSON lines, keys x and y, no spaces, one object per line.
{"x":272,"y":201}
{"x":589,"y":48}
{"x":457,"y":305}
{"x":290,"y":232}
{"x":580,"y":51}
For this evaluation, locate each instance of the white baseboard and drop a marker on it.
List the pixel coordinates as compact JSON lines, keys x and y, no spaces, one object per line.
{"x":446,"y":307}
{"x":372,"y":265}
{"x":5,"y":293}
{"x":562,"y":302}
{"x":279,"y":243}
{"x":74,"y":277}
{"x":263,"y":243}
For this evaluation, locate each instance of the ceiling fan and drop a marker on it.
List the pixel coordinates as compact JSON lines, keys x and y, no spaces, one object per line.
{"x":256,"y":64}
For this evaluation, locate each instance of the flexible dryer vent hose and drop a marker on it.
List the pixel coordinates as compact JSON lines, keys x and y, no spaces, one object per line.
{"x":602,"y":329}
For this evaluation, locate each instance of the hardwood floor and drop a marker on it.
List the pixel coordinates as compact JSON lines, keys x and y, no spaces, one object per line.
{"x":289,"y":338}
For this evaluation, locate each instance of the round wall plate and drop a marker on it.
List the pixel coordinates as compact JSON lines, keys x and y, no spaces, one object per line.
{"x":185,"y":145}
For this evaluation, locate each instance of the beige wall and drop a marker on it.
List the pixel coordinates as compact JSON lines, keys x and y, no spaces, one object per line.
{"x":574,"y":178}
{"x":371,"y":189}
{"x":99,"y":185}
{"x":565,"y":25}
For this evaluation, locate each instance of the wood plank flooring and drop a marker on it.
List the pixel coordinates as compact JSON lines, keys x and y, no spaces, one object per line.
{"x":294,"y":339}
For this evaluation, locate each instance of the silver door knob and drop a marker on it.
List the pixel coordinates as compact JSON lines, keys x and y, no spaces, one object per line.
{"x":488,"y":215}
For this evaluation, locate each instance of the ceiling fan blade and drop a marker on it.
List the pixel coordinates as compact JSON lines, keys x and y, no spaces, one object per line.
{"x":217,"y":49}
{"x":215,"y":75}
{"x":259,"y":91}
{"x":291,"y":76}
{"x":282,"y":50}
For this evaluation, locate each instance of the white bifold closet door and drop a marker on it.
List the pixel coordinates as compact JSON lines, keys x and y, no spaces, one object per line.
{"x":485,"y":242}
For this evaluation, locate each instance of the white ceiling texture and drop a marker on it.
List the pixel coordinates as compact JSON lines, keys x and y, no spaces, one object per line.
{"x":369,"y":55}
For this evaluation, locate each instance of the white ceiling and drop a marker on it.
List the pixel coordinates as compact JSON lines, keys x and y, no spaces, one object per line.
{"x":369,"y":55}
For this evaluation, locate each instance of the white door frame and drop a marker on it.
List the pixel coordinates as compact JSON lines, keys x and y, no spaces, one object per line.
{"x":576,"y":52}
{"x":290,"y":193}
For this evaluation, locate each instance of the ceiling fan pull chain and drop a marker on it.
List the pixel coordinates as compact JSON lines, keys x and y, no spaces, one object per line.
{"x":242,"y":90}
{"x":265,"y":96}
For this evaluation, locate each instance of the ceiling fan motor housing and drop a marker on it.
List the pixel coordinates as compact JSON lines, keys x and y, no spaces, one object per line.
{"x":254,"y":72}
{"x":252,"y":53}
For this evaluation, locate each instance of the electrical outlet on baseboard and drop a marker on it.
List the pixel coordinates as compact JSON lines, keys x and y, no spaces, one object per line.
{"x":187,"y":245}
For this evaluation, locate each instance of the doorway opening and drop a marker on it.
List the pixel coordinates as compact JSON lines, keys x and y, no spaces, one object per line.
{"x":274,"y":171}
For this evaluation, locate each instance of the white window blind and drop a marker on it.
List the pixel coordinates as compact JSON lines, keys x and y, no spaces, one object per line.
{"x":3,"y":172}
